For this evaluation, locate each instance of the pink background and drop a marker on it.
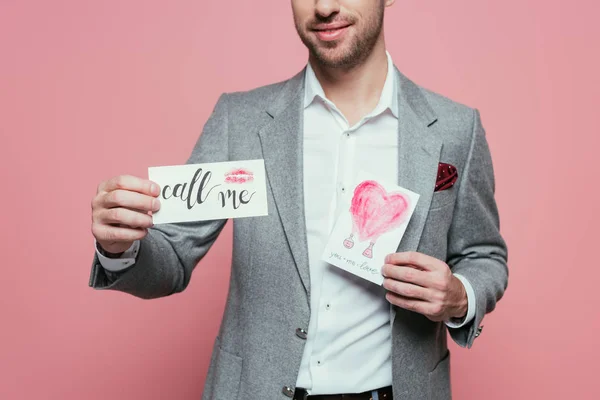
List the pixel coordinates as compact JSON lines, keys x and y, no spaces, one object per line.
{"x":92,"y":89}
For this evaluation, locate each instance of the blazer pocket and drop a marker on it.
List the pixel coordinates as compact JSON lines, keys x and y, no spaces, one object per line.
{"x":227,"y":375}
{"x":442,"y":198}
{"x":439,"y":380}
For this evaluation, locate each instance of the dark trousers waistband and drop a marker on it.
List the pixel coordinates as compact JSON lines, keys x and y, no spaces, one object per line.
{"x":379,"y":394}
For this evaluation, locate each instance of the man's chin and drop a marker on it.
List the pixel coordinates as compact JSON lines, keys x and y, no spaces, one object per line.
{"x":333,"y":58}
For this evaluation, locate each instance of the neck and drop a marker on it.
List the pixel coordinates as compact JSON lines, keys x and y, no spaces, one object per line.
{"x":355,"y":91}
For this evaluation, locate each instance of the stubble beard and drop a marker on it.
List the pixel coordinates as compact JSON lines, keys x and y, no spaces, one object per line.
{"x":357,"y":50}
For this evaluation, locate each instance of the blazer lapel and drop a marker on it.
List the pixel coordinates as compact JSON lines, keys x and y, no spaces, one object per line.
{"x":419,"y":149}
{"x":282,"y":143}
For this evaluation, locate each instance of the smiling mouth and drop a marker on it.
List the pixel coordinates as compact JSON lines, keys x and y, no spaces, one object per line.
{"x":330,"y":33}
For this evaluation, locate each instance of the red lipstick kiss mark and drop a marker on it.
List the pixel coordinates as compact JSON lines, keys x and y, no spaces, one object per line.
{"x":239,"y":175}
{"x":375,"y":212}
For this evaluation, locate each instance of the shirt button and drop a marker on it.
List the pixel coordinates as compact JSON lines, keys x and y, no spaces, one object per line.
{"x":301,"y":333}
{"x":328,"y":306}
{"x":288,"y":391}
{"x":343,"y":189}
{"x":318,"y":362}
{"x":347,"y":134}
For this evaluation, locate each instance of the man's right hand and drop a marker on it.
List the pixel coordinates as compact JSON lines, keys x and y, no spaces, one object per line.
{"x":120,"y":211}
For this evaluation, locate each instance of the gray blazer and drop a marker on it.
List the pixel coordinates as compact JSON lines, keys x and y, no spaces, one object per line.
{"x":257,"y":352}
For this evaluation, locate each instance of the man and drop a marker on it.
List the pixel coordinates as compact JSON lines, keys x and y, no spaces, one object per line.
{"x":294,"y":326}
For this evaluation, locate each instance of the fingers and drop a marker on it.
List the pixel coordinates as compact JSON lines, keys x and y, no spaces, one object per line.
{"x":131,"y":200}
{"x":120,"y":211}
{"x":417,"y":282}
{"x":414,"y":258}
{"x":111,"y":234}
{"x":130,"y":218}
{"x":434,"y":312}
{"x":407,"y":290}
{"x":130,"y":183}
{"x":407,"y":274}
{"x":125,"y":200}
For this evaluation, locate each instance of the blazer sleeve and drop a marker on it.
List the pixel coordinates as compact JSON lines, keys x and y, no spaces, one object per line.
{"x":476,"y":249}
{"x":169,"y":252}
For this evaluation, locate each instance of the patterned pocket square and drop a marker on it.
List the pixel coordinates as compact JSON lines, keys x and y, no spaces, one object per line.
{"x":446,"y":177}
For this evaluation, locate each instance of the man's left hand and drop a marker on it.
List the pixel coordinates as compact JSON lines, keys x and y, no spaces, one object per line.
{"x":424,"y":284}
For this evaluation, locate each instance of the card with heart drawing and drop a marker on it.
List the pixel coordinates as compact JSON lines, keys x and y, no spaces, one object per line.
{"x":369,"y":227}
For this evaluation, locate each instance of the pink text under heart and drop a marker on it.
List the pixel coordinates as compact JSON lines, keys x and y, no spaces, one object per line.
{"x":374,"y":211}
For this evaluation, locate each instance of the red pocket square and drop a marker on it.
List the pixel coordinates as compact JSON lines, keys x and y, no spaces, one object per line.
{"x":446,"y":177}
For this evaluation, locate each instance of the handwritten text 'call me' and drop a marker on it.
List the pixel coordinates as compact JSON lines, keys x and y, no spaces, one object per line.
{"x":185,"y":192}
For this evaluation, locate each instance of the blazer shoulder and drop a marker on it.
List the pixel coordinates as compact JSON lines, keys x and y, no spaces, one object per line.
{"x":455,"y":120}
{"x":257,"y":98}
{"x":449,"y":111}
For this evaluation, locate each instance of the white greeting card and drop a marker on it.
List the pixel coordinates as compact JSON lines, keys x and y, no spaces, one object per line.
{"x":195,"y":192}
{"x":370,"y":227}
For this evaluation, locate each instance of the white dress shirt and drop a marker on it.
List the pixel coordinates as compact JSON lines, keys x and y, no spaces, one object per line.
{"x":348,"y":347}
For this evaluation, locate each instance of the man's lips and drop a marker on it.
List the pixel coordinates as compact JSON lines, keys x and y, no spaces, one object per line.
{"x":329,"y":32}
{"x":330,"y":26}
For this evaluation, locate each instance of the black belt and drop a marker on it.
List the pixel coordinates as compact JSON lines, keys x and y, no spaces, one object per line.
{"x":381,"y":394}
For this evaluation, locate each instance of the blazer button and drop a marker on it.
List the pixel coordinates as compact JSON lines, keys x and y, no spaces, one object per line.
{"x":301,"y":333}
{"x":288,"y":391}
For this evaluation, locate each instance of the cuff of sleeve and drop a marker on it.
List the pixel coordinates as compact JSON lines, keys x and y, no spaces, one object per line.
{"x":126,"y":260}
{"x":470,"y":305}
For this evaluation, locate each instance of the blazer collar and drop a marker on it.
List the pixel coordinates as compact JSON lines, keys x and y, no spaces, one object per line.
{"x":407,"y":92}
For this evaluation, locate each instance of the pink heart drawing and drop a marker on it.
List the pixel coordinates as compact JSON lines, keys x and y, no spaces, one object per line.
{"x":375,"y":212}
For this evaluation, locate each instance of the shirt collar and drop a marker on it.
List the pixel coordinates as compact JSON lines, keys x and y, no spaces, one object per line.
{"x":389,"y":94}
